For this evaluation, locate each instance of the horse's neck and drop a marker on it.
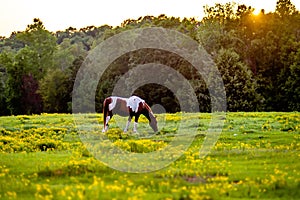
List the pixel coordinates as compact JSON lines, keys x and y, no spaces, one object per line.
{"x":149,"y":111}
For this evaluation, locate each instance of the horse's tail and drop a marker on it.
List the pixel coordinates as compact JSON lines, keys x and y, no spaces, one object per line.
{"x":105,"y":110}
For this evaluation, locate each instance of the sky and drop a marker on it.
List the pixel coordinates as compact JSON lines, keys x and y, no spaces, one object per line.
{"x":56,"y":15}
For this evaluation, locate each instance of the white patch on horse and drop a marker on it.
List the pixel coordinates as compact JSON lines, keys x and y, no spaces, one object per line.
{"x":133,"y":103}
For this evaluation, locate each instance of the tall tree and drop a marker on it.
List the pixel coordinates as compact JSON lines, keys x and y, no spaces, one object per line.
{"x":42,"y":43}
{"x":239,"y":84}
{"x":3,"y":78}
{"x":285,"y":8}
{"x":54,"y":91}
{"x":29,"y":64}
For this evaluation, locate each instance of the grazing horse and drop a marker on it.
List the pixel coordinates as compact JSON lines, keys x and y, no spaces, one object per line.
{"x":133,"y":107}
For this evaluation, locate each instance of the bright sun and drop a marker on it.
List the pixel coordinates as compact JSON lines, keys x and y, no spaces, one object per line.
{"x":256,"y":11}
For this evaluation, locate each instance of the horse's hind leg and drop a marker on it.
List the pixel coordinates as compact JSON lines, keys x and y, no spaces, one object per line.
{"x":108,"y":117}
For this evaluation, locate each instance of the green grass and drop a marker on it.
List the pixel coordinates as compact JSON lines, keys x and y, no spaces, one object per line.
{"x":256,"y":157}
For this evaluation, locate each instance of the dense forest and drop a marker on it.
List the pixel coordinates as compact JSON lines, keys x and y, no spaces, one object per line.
{"x":258,"y":57}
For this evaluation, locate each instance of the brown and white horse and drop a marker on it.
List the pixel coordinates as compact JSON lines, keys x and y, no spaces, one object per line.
{"x":133,"y":107}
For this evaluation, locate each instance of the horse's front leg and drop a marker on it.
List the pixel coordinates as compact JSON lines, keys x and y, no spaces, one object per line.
{"x":127,"y":124}
{"x":135,"y":123}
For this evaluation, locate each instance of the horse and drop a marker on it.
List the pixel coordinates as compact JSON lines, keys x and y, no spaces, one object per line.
{"x":133,"y":106}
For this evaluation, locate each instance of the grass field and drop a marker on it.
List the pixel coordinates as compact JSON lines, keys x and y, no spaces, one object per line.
{"x":257,"y":156}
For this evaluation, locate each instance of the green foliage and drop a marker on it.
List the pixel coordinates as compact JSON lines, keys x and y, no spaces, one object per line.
{"x":266,"y":44}
{"x":40,"y":45}
{"x":3,"y":79}
{"x":285,"y":7}
{"x":239,"y":84}
{"x":54,"y":89}
{"x":31,"y":61}
{"x":291,"y":89}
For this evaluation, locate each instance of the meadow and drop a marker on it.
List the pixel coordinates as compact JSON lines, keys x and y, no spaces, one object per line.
{"x":257,"y":156}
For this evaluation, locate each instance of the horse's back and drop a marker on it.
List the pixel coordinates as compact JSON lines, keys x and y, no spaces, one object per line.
{"x":123,"y":106}
{"x":117,"y":105}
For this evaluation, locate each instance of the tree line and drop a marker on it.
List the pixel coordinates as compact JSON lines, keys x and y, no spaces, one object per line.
{"x":258,"y":57}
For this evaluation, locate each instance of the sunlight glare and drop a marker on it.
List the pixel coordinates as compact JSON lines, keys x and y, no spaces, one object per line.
{"x":256,"y":12}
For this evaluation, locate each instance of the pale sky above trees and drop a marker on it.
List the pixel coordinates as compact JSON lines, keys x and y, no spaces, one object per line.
{"x":61,"y":14}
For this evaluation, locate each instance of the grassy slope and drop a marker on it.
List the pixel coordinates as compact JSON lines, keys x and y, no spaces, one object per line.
{"x":256,"y":156}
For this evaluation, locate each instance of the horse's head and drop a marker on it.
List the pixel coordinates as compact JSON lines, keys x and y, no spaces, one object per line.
{"x":153,"y":123}
{"x":150,"y":116}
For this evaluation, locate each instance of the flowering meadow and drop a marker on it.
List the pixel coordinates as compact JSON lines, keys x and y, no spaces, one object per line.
{"x":257,"y":156}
